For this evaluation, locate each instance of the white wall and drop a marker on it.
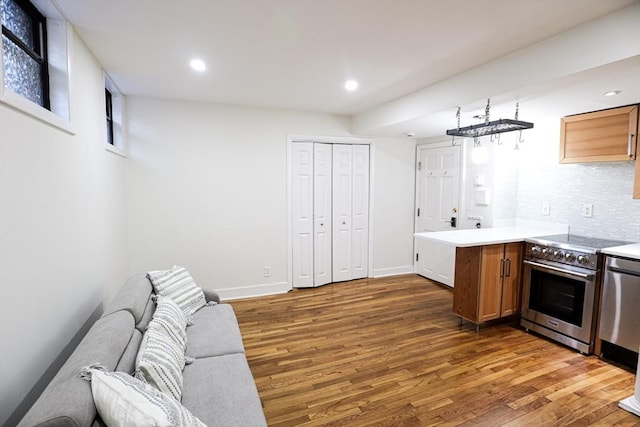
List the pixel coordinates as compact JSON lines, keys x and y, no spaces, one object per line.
{"x":207,"y":190}
{"x":62,"y":225}
{"x":394,"y":184}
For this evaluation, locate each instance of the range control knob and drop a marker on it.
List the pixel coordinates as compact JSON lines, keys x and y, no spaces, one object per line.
{"x":535,"y":250}
{"x":569,"y":257}
{"x":546,"y":252}
{"x":557,"y":254}
{"x":583,"y":260}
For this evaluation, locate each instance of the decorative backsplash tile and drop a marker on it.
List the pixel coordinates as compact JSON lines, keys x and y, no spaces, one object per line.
{"x":567,"y":188}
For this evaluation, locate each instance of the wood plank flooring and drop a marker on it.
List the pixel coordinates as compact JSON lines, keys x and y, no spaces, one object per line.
{"x":390,"y":352}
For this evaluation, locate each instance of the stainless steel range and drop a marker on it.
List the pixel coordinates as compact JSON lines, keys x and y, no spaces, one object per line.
{"x":561,"y":287}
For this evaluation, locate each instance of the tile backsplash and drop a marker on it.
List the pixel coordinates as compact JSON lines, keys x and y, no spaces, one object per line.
{"x":567,"y":188}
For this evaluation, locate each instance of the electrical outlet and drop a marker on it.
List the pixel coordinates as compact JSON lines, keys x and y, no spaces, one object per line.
{"x":267,"y":271}
{"x":587,"y":210}
{"x":546,"y":208}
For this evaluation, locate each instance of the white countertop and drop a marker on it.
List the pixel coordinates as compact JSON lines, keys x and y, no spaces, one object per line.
{"x":487,"y":236}
{"x":627,"y":251}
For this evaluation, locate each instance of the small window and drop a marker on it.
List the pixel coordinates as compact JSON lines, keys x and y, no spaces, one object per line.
{"x":109,"y":112}
{"x":24,"y":51}
{"x":114,"y":117}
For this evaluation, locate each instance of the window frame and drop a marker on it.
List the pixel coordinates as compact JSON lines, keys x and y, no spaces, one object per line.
{"x":40,"y":53}
{"x":59,"y":48}
{"x":118,"y":144}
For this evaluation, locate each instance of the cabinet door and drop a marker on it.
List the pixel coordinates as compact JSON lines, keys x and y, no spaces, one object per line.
{"x":601,"y":136}
{"x":511,"y":279}
{"x":467,"y":282}
{"x":491,"y":282}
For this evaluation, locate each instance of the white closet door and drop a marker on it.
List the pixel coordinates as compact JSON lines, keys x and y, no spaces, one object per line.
{"x":322,"y":160}
{"x":302,"y":188}
{"x":342,"y":213}
{"x":360,"y":210}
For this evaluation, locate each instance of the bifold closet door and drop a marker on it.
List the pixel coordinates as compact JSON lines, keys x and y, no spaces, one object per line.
{"x":350,"y":211}
{"x":330,"y":210}
{"x":302,"y":213}
{"x":322,"y":160}
{"x":360,"y":211}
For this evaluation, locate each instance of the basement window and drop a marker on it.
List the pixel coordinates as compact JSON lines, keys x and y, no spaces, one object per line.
{"x":24,"y":51}
{"x":34,"y":76}
{"x":114,"y":117}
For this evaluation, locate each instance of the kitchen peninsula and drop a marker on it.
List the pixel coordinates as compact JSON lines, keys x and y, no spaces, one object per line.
{"x":487,"y":267}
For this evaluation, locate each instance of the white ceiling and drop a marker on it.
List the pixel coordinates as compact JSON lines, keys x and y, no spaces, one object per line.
{"x":298,"y":54}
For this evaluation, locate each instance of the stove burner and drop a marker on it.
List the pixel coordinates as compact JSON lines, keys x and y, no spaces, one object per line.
{"x":568,"y":249}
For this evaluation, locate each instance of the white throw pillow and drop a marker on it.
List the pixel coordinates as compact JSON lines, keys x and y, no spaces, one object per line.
{"x":123,"y":400}
{"x":178,"y":285}
{"x":171,"y":318}
{"x":160,"y":362}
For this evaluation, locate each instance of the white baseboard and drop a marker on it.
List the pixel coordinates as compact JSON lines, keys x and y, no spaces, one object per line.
{"x":393,"y":271}
{"x":252,"y":291}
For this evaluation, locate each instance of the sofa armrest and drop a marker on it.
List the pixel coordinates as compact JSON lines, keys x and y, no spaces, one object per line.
{"x":211,"y":295}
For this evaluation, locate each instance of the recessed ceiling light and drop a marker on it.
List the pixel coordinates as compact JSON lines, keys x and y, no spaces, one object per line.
{"x":198,"y":65}
{"x":351,"y":85}
{"x":611,"y":93}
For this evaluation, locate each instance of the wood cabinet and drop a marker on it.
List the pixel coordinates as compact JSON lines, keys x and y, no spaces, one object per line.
{"x":600,"y":136}
{"x":487,"y":281}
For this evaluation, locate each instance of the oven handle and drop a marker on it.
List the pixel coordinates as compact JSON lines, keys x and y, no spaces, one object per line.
{"x":587,"y":276}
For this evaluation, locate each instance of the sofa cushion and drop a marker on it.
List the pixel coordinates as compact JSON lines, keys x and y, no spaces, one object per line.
{"x":127,"y":362}
{"x":214,"y":332}
{"x":220,"y":391}
{"x":178,"y":285}
{"x":135,"y":297}
{"x":123,"y":400}
{"x":67,"y":399}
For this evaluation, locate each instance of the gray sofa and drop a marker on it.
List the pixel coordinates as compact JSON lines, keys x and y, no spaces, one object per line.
{"x":218,"y":386}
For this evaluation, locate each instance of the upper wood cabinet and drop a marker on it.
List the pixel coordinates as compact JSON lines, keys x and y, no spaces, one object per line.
{"x":487,"y":281}
{"x":601,"y":136}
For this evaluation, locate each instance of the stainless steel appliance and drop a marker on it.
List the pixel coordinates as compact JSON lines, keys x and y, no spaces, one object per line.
{"x":620,"y":318}
{"x":561,"y":279}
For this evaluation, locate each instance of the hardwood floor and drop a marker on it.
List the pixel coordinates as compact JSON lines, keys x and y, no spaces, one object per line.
{"x":390,"y":352}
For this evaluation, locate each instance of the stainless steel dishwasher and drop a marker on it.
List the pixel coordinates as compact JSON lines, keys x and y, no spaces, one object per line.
{"x":620,"y":315}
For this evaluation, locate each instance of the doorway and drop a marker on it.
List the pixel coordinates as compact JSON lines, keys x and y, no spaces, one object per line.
{"x":437,"y":209}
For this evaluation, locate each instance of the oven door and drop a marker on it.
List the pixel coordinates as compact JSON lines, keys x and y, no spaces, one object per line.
{"x":560,"y":298}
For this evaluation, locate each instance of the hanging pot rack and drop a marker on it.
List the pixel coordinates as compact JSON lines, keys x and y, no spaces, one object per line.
{"x":489,"y":127}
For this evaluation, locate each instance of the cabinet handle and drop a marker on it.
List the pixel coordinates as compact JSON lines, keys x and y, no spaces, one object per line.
{"x":502,"y":267}
{"x":508,"y":267}
{"x":630,"y":145}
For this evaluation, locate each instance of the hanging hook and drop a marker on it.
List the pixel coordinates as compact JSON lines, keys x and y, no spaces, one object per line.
{"x":520,"y":140}
{"x":453,"y":140}
{"x":476,"y":141}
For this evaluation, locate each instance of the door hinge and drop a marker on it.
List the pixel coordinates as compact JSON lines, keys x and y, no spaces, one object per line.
{"x":419,"y":165}
{"x":418,"y":211}
{"x":417,"y":257}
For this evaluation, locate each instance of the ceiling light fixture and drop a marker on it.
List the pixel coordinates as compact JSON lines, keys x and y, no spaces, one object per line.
{"x":351,"y":85}
{"x":198,"y":65}
{"x":611,"y":93}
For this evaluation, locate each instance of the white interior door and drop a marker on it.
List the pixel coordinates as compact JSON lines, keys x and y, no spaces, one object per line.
{"x":438,"y":188}
{"x":322,"y":177}
{"x":360,"y":211}
{"x":342,"y":212}
{"x":302,"y":213}
{"x":437,"y":202}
